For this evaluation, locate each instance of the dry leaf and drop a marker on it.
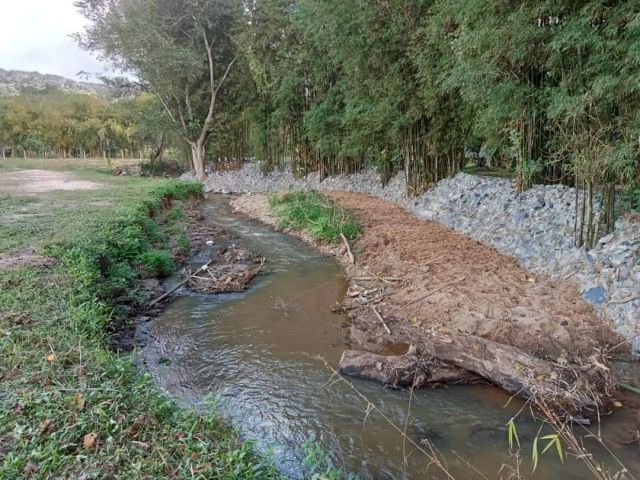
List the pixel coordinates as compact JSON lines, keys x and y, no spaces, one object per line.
{"x":89,"y":440}
{"x":51,"y":357}
{"x":78,"y":401}
{"x":617,"y":404}
{"x":46,"y":425}
{"x":30,"y":468}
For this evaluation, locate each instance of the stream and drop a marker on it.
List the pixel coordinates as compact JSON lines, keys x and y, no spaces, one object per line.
{"x":258,"y":353}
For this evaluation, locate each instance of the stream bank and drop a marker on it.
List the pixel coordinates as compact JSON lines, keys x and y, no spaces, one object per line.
{"x":535,"y":227}
{"x":416,"y":283}
{"x":257,"y":353}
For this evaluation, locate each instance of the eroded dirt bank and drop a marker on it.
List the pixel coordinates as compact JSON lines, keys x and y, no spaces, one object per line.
{"x":425,"y":281}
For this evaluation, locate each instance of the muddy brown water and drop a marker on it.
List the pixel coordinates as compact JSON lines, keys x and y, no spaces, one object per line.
{"x":258,"y":355}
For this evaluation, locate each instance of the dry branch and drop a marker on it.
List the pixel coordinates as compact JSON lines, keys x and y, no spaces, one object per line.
{"x":184,"y":282}
{"x":384,"y":324}
{"x":346,"y":244}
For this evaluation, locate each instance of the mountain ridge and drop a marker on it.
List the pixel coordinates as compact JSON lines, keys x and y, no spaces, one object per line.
{"x":12,"y":82}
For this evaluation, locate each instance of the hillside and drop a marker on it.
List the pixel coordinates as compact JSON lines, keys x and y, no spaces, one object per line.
{"x":13,"y":81}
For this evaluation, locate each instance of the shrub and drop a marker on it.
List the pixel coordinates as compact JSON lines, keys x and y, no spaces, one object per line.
{"x":156,"y":263}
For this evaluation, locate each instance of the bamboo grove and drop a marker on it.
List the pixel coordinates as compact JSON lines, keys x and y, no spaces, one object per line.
{"x":548,"y":89}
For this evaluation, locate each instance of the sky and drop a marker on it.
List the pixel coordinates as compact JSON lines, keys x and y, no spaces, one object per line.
{"x":34,"y":35}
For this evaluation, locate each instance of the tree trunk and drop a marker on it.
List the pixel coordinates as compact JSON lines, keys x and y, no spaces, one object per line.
{"x":197,"y":157}
{"x":157,"y":150}
{"x":570,"y":389}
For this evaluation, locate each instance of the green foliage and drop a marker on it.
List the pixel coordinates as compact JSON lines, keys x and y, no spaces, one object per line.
{"x":317,"y":464}
{"x":512,"y":433}
{"x":183,"y":242}
{"x":175,"y":213}
{"x":315,"y":213}
{"x":156,"y":263}
{"x":553,"y":439}
{"x":55,"y":123}
{"x":636,"y":199}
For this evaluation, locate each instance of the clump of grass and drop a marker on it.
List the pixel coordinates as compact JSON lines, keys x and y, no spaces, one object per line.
{"x":315,"y":213}
{"x":156,"y":263}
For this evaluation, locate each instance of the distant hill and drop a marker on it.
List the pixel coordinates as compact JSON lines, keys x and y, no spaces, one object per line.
{"x":14,"y":81}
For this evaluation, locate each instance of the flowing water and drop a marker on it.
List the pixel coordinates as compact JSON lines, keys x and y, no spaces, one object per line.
{"x":260,"y":354}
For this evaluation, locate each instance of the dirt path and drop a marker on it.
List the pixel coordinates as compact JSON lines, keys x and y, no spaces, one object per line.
{"x":40,"y":181}
{"x":451,"y":283}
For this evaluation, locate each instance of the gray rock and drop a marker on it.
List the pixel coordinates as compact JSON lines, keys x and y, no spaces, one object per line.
{"x":596,"y":295}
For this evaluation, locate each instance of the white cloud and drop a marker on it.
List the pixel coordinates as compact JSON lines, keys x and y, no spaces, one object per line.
{"x":34,"y":35}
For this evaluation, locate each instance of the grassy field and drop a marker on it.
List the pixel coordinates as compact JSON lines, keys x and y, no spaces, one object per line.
{"x":69,"y":406}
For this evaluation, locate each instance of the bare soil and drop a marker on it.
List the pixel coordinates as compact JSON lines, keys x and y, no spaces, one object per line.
{"x":39,"y":181}
{"x":424,"y":279}
{"x":23,"y":258}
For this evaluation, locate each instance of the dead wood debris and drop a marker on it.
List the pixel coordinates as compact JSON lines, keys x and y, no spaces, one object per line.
{"x":230,"y":271}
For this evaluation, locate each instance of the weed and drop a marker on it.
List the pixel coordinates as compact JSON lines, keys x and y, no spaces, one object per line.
{"x":156,"y":263}
{"x":316,"y":462}
{"x":175,"y":214}
{"x":316,"y":213}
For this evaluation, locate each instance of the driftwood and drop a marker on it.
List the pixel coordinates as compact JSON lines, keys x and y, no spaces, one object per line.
{"x":184,"y":282}
{"x":569,"y":388}
{"x":407,"y":370}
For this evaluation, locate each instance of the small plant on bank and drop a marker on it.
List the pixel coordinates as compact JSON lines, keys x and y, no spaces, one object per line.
{"x":315,"y":213}
{"x":175,"y":213}
{"x":156,"y":263}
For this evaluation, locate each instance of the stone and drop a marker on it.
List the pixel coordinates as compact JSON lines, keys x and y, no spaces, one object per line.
{"x":596,"y":295}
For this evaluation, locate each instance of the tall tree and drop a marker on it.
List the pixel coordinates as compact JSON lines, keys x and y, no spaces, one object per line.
{"x":183,"y":50}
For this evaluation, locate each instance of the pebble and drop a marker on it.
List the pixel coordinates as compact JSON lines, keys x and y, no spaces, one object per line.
{"x":535,"y":227}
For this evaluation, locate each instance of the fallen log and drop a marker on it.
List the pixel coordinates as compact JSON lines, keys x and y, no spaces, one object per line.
{"x":407,"y":370}
{"x":570,"y":389}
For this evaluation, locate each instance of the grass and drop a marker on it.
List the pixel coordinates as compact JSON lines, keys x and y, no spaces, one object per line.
{"x":69,"y":406}
{"x":315,"y":213}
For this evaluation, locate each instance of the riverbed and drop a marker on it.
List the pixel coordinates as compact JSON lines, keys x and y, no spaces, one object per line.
{"x":260,"y":356}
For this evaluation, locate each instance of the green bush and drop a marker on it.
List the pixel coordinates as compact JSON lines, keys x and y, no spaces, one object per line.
{"x":175,"y":213}
{"x":316,"y":213}
{"x":156,"y":263}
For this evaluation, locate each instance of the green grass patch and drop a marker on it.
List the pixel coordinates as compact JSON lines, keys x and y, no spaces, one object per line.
{"x":315,"y":213}
{"x":69,"y":406}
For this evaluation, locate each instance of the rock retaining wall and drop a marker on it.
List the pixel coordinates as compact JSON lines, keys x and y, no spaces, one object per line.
{"x":536,"y":227}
